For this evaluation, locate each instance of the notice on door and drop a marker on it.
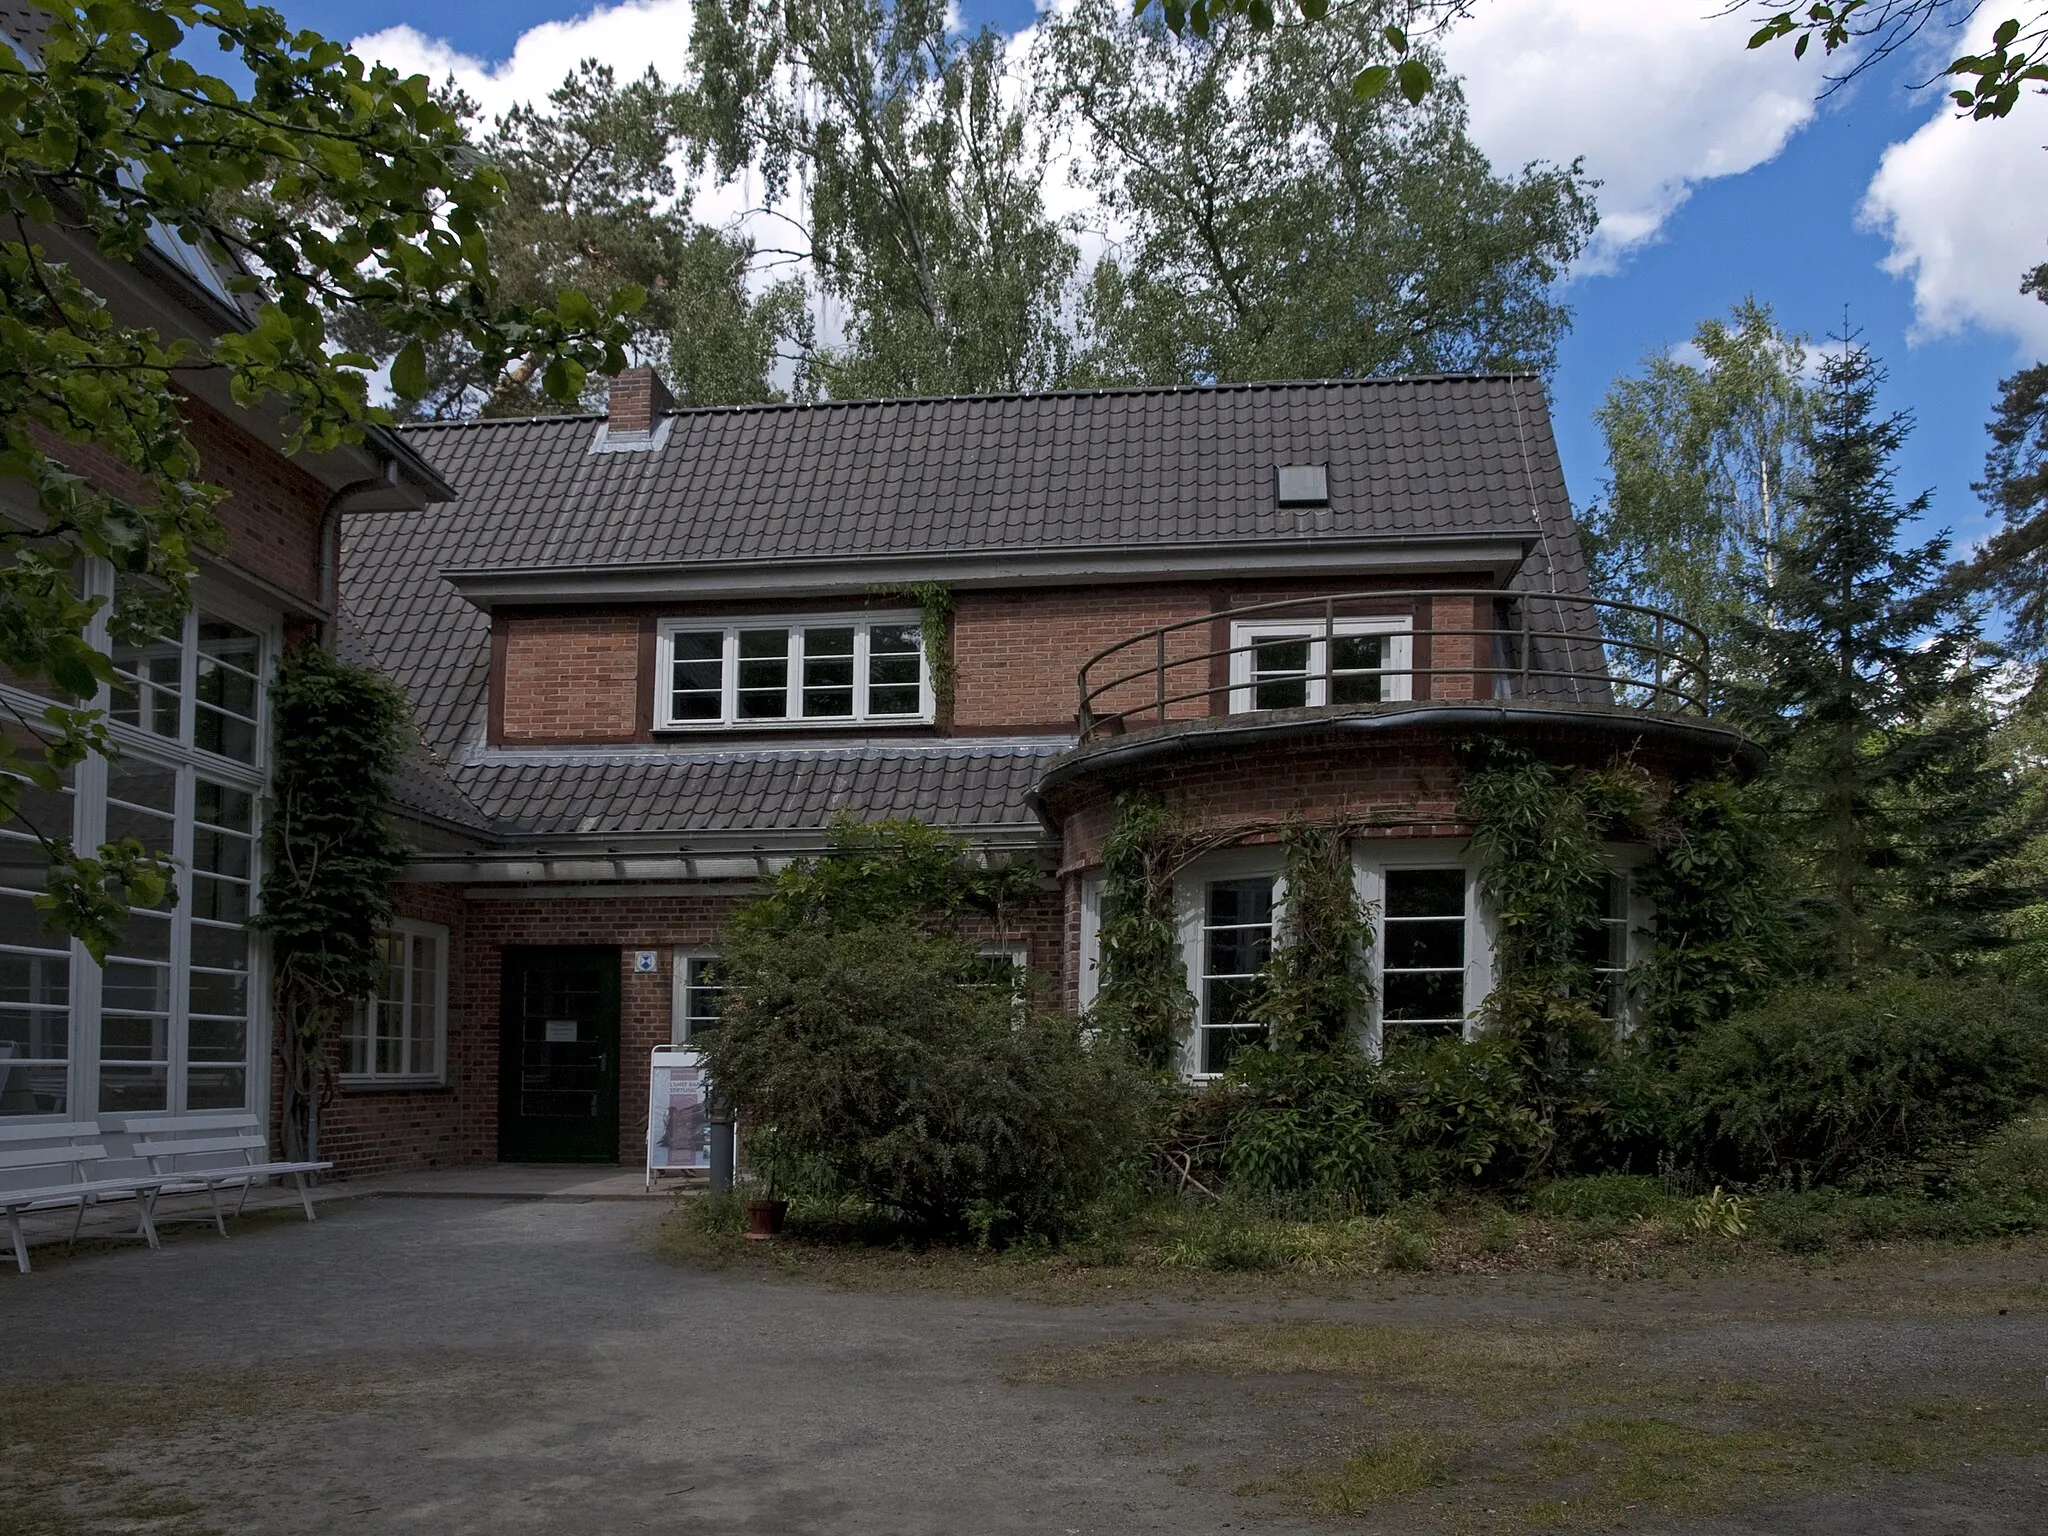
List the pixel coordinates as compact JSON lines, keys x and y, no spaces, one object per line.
{"x":677,"y":1134}
{"x":561,"y":1031}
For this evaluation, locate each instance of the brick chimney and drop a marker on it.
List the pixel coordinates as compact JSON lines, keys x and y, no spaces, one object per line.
{"x":637,"y":402}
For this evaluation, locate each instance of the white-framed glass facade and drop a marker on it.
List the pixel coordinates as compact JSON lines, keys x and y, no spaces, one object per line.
{"x":1237,"y":941}
{"x":812,"y":670}
{"x":174,"y":1021}
{"x":400,"y":1035}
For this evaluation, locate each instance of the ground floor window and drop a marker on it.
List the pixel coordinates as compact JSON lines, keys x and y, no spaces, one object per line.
{"x":1424,"y":952}
{"x":401,"y":1033}
{"x":1237,"y":941}
{"x":699,"y":999}
{"x":1609,"y":947}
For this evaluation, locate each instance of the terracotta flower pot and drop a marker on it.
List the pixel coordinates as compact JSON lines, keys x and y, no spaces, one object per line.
{"x":764,"y":1218}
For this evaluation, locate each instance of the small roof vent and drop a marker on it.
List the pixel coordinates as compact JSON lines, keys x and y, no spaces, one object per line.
{"x":1303,"y":485}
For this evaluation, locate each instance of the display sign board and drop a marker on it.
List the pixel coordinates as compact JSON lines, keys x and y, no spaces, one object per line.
{"x":678,"y":1137}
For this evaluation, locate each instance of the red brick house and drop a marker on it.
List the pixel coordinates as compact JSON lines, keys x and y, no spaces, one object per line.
{"x":652,"y":655}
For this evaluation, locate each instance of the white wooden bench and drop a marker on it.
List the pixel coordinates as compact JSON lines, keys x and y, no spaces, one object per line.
{"x":168,"y":1140}
{"x":74,"y":1148}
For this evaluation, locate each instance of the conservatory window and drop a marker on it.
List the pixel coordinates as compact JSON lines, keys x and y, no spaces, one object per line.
{"x":401,"y":1033}
{"x":1607,"y":949}
{"x":1237,"y":941}
{"x":35,"y":967}
{"x":1304,"y":665}
{"x":1423,"y":952}
{"x":821,"y":670}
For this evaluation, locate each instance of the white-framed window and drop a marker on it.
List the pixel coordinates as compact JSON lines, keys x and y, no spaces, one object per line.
{"x":815,"y":669}
{"x":174,"y":1020}
{"x":1424,"y":950}
{"x":400,"y":1035}
{"x":1302,"y":664}
{"x":35,"y":967}
{"x":1237,"y":914}
{"x":1615,"y":947}
{"x":698,"y":1001}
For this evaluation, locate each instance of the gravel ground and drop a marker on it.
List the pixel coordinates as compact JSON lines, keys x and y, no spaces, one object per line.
{"x":458,"y":1366}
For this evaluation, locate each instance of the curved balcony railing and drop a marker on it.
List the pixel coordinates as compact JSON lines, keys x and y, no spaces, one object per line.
{"x":1443,"y":645}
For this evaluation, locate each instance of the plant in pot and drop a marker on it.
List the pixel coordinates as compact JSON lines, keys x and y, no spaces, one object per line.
{"x":766,"y":1159}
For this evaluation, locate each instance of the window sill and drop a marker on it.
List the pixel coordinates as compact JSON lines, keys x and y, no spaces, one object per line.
{"x":352,"y":1084}
{"x":821,"y":727}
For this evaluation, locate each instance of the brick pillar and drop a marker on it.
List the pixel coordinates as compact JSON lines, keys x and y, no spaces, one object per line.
{"x":1455,"y":649}
{"x":638,"y":401}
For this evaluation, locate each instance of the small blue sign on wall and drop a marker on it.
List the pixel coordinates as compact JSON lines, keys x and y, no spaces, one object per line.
{"x":646,"y":960}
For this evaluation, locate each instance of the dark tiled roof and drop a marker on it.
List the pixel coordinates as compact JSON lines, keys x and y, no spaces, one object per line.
{"x":1112,"y":469}
{"x":780,"y":791}
{"x":1109,"y":468}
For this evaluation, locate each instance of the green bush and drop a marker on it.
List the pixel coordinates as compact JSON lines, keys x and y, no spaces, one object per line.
{"x":1826,"y":1084}
{"x":881,"y":1056}
{"x":1610,"y":1197}
{"x":1309,"y":1124}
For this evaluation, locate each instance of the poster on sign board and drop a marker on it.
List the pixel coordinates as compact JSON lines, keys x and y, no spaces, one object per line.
{"x":678,"y":1138}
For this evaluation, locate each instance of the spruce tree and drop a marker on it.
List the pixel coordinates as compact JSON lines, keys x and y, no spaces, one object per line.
{"x":1875,"y":699}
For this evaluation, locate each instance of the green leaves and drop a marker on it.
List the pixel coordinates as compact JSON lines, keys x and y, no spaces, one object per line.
{"x":409,"y":370}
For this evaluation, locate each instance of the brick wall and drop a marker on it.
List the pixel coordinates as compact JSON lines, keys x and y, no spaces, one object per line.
{"x":1408,"y":779}
{"x":586,"y":675}
{"x":570,"y":677}
{"x":368,"y":1130}
{"x":271,"y":514}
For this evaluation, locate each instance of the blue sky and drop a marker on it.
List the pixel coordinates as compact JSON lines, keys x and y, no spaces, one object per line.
{"x":1786,"y":230}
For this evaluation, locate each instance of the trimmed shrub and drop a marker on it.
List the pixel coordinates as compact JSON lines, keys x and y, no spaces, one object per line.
{"x":1826,"y":1084}
{"x":882,"y":1057}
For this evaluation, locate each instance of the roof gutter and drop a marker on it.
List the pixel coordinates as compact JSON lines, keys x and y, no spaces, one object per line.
{"x":1493,"y":553}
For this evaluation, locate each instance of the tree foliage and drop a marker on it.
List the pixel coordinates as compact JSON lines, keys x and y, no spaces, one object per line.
{"x":1282,"y":227}
{"x":1873,"y":693}
{"x":113,"y":142}
{"x":1705,"y":460}
{"x":592,"y":202}
{"x":892,"y":148}
{"x":1987,"y":84}
{"x":2013,"y":563}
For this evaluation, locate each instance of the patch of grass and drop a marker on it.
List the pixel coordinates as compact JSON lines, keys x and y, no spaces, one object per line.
{"x":1610,"y":1198}
{"x":1469,"y":1362}
{"x":85,"y":1454}
{"x":1407,"y":1462}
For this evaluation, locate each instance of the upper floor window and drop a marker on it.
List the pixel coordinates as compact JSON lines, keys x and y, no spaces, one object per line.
{"x":1306,"y":664}
{"x":822,"y":670}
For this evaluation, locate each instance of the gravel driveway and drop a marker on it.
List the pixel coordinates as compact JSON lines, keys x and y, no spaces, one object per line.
{"x":459,"y":1366}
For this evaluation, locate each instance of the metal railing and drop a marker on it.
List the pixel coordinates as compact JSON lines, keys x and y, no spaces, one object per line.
{"x":1397,"y":646}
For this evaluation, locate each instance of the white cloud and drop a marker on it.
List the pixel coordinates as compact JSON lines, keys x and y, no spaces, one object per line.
{"x":628,"y":37}
{"x":1961,"y":203}
{"x":1657,"y":95}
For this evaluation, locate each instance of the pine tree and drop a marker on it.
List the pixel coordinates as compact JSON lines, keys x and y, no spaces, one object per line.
{"x":1875,"y":698}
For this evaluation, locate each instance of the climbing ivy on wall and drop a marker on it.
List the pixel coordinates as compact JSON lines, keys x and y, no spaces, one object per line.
{"x":935,"y":607}
{"x":1143,"y":995}
{"x":1542,"y":831}
{"x":1316,"y":985}
{"x":332,"y":855}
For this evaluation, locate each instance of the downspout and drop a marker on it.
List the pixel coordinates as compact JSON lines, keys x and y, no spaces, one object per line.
{"x":330,"y":544}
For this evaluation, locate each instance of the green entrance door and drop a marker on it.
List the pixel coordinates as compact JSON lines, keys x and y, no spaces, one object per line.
{"x":558,"y":1056}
